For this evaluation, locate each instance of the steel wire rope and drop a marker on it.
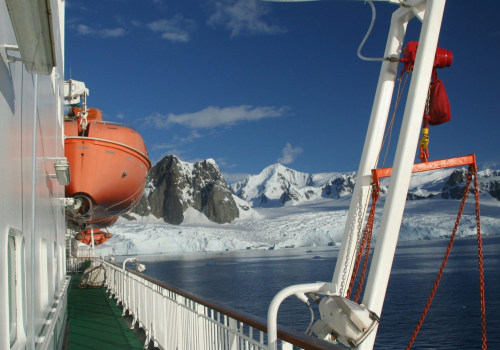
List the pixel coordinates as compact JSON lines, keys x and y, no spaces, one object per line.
{"x":388,"y":133}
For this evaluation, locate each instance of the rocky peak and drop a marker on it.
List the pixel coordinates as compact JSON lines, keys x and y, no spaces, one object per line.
{"x":178,"y":185}
{"x":340,"y":186}
{"x":488,"y":181}
{"x":275,"y":185}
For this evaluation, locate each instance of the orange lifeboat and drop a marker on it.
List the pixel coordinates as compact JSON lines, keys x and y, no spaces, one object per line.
{"x":108,"y":169}
{"x":99,"y":237}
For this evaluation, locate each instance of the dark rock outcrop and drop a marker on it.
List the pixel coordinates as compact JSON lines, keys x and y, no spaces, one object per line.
{"x":175,"y":186}
{"x":339,"y":186}
{"x":454,"y":188}
{"x":488,"y":182}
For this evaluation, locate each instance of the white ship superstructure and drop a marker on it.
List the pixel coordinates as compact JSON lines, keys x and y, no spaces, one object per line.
{"x":32,"y":225}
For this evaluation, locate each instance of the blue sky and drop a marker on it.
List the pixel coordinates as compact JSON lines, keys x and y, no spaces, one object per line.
{"x":252,"y":83}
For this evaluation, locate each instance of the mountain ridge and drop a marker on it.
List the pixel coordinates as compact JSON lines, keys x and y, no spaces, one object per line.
{"x":174,"y":186}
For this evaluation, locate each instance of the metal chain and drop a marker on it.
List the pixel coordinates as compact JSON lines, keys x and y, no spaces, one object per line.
{"x":480,"y":262}
{"x":443,"y":264}
{"x":349,"y":245}
{"x":364,"y":246}
{"x":368,"y":234}
{"x":428,"y":101}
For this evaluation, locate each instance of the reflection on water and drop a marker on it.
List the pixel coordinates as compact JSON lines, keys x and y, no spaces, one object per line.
{"x":248,"y":280}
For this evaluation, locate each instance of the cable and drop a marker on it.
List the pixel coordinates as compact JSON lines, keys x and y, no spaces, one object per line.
{"x":302,"y":297}
{"x":308,"y":330}
{"x":372,"y":59}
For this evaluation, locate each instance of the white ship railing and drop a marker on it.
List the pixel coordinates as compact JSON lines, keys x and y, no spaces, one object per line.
{"x":174,"y":319}
{"x":77,"y":265}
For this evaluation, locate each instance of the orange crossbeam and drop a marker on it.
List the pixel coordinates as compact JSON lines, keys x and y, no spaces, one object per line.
{"x":470,"y":159}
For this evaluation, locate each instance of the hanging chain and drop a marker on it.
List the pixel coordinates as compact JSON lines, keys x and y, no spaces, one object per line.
{"x":369,"y":231}
{"x":349,"y":245}
{"x":359,"y":215}
{"x":365,"y":241}
{"x":472,"y":171}
{"x":480,"y":262}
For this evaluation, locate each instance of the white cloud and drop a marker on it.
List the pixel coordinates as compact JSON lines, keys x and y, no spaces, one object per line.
{"x":491,"y":164}
{"x":136,"y":23}
{"x":188,"y":139}
{"x":242,"y":16}
{"x":162,"y":146}
{"x":289,"y":154}
{"x":83,"y":29}
{"x":222,"y":163}
{"x":111,"y":33}
{"x":212,"y":117}
{"x":176,"y":29}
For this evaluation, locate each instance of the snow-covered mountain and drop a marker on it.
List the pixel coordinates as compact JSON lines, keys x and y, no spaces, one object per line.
{"x":278,"y":185}
{"x":302,"y":210}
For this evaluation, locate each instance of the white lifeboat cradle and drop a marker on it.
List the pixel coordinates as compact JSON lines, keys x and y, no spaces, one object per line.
{"x":355,"y":325}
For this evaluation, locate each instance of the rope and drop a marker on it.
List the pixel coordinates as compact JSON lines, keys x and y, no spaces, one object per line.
{"x":388,"y":133}
{"x":472,"y":170}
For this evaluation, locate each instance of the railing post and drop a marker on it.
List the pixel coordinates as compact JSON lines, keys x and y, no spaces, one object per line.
{"x":233,"y":329}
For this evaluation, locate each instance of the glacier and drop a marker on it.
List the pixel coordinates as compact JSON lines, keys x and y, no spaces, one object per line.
{"x":315,"y":223}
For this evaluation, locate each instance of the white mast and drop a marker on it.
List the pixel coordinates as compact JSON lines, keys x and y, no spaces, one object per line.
{"x":371,"y":149}
{"x":334,"y":308}
{"x":388,"y":234}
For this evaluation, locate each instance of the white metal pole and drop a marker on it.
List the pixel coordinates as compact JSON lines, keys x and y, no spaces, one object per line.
{"x":371,"y":149}
{"x":272,"y":313}
{"x":92,"y":238}
{"x":387,"y":238}
{"x":33,"y":246}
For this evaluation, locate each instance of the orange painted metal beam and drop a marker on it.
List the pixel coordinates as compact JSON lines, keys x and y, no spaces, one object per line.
{"x":470,"y":160}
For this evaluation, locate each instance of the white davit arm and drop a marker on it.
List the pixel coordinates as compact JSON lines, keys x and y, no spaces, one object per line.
{"x":74,"y":91}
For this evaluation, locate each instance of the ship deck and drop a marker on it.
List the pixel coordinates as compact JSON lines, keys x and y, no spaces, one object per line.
{"x":95,"y":321}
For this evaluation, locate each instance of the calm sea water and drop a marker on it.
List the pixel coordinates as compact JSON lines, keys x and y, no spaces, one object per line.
{"x":248,"y":280}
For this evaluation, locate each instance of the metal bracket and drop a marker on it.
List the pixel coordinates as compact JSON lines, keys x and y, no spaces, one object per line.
{"x":10,"y":57}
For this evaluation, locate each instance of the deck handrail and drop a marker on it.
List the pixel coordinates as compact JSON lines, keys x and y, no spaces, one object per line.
{"x":224,"y":322}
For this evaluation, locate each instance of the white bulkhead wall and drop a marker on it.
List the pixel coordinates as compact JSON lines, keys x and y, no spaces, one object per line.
{"x":31,"y":211}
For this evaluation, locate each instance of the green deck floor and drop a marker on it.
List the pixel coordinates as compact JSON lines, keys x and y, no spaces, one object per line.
{"x":95,"y":322}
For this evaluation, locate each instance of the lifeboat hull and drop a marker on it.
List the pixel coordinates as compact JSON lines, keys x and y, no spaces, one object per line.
{"x":108,"y":170}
